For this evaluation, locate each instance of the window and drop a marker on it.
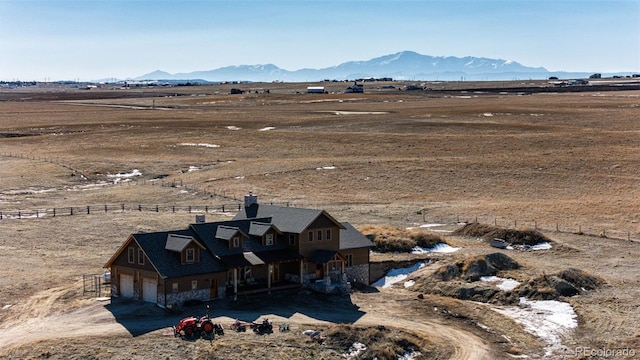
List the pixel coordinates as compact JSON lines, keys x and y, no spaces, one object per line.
{"x":236,"y":242}
{"x":349,"y":260}
{"x":292,"y":239}
{"x":191,"y":255}
{"x":174,"y":287}
{"x":194,"y":284}
{"x":269,"y":239}
{"x":140,"y":257}
{"x":319,"y":235}
{"x":132,"y":258}
{"x":328,"y":237}
{"x":310,"y":235}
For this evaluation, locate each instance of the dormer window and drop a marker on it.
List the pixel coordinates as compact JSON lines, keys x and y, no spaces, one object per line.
{"x":268,"y":239}
{"x":191,"y":255}
{"x":140,"y":257}
{"x":132,"y":254}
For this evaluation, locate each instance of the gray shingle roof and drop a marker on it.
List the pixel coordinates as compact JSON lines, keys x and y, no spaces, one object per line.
{"x":351,"y":238}
{"x":287,"y":219}
{"x":177,"y":242}
{"x":168,"y":262}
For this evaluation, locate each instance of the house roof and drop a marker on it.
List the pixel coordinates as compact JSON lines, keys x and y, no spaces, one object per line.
{"x":287,"y":219}
{"x":351,"y":238}
{"x":208,"y":234}
{"x":177,"y":242}
{"x":259,"y":228}
{"x":167,"y":262}
{"x":225,"y":232}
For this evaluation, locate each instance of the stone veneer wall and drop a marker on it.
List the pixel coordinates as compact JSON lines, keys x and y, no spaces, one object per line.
{"x":180,"y":297}
{"x":358,"y":273}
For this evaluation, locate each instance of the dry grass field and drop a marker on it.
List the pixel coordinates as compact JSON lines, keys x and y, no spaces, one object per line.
{"x":552,"y":160}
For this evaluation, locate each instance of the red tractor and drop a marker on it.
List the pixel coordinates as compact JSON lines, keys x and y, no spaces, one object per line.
{"x":194,"y":327}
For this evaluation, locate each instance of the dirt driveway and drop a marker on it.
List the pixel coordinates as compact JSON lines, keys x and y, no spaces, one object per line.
{"x":36,"y":321}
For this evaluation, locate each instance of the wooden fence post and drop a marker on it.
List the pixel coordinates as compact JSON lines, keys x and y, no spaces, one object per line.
{"x":71,"y":210}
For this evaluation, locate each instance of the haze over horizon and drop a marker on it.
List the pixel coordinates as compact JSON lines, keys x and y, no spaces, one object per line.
{"x":90,"y":40}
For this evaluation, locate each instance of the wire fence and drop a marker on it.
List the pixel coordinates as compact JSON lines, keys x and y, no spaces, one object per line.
{"x":232,"y":203}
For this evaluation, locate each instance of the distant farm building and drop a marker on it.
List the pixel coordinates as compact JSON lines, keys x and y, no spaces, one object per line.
{"x":316,"y":90}
{"x":356,"y":88}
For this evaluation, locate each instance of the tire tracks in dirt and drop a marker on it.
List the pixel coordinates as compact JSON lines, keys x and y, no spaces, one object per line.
{"x":37,"y":320}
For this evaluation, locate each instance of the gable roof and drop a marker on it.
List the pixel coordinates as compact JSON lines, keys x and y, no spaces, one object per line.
{"x":225,"y":232}
{"x":177,"y":243}
{"x":286,"y":219}
{"x":351,"y":238}
{"x":252,"y":251}
{"x":167,"y":262}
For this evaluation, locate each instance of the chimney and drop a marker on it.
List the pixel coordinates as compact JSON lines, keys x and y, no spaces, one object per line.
{"x":250,"y":200}
{"x":251,"y":205}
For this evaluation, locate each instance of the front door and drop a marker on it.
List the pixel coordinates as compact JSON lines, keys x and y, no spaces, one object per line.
{"x":319,"y":271}
{"x":213,"y":291}
{"x":275,"y":273}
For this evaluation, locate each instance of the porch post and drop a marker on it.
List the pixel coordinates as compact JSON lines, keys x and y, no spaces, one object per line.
{"x":270,"y":271}
{"x":301,"y":267}
{"x":235,"y":283}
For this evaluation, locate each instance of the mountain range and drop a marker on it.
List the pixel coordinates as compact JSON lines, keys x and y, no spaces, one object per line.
{"x":405,"y":65}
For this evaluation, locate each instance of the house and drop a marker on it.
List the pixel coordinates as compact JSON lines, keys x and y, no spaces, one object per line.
{"x":356,"y":88}
{"x":263,"y":248}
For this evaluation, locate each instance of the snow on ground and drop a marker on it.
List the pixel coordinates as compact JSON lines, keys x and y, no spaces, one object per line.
{"x":501,"y":283}
{"x":431,"y":227}
{"x":541,"y":246}
{"x":233,"y":128}
{"x":200,"y":145}
{"x":487,"y":114}
{"x":122,"y":177}
{"x":547,"y":319}
{"x":397,"y":275}
{"x":267,"y":128}
{"x":355,"y":350}
{"x":326,"y":168}
{"x":441,"y":248}
{"x":193,"y":168}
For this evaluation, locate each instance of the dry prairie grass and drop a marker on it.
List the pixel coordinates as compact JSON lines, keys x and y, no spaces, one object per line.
{"x":567,"y":158}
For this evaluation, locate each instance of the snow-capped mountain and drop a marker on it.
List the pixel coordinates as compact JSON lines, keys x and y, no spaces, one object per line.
{"x":405,"y":65}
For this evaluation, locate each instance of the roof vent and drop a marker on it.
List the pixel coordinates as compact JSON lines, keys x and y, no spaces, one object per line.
{"x":200,"y":219}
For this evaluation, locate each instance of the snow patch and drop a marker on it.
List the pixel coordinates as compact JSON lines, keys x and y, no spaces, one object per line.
{"x":501,"y":283}
{"x":547,"y":319}
{"x":355,"y":350}
{"x":233,"y":128}
{"x":441,"y":248}
{"x":200,"y":145}
{"x":487,"y":114}
{"x":326,"y":168}
{"x":124,"y":177}
{"x":397,"y":275}
{"x":408,"y":284}
{"x":267,"y":128}
{"x":541,"y":246}
{"x":193,"y":168}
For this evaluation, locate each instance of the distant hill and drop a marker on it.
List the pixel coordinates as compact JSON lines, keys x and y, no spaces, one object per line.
{"x":405,"y":65}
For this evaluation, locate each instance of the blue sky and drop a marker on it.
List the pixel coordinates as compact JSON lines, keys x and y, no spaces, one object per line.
{"x":88,"y":40}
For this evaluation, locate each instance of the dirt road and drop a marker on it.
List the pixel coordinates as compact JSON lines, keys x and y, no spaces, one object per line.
{"x":42,"y":318}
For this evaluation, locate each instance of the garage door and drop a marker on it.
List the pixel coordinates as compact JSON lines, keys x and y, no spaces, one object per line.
{"x":126,"y":285}
{"x":149,"y":290}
